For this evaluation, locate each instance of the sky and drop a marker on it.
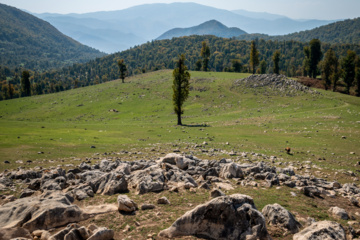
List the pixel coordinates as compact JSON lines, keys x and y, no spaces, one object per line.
{"x":296,"y":9}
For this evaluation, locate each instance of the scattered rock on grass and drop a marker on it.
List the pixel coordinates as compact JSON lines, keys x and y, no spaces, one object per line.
{"x":322,"y":230}
{"x":278,"y":216}
{"x":228,"y":217}
{"x":125,"y":204}
{"x":339,"y":213}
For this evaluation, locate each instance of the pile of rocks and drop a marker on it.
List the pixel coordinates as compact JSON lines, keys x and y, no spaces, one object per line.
{"x":48,"y":200}
{"x":279,"y":83}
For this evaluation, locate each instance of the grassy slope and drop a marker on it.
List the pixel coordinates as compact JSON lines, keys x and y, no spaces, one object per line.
{"x":66,"y":124}
{"x":56,"y":125}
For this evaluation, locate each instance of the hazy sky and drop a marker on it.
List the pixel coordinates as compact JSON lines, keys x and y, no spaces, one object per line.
{"x":306,"y":9}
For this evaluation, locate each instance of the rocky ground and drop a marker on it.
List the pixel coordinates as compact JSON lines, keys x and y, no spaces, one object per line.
{"x":175,"y":196}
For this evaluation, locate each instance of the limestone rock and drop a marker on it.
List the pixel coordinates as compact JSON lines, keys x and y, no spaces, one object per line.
{"x":42,"y":212}
{"x":150,"y":179}
{"x":322,"y":230}
{"x":216,"y":193}
{"x":126,"y":204}
{"x":276,"y":215}
{"x":228,"y":217}
{"x":16,"y":232}
{"x":102,"y":233}
{"x":163,"y":200}
{"x":231,"y":170}
{"x":339,"y":213}
{"x":147,"y":206}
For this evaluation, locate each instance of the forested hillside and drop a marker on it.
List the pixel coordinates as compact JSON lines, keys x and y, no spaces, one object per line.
{"x":162,"y":54}
{"x":347,"y":31}
{"x":31,"y":43}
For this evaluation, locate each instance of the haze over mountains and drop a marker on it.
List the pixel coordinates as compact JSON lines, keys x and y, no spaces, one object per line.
{"x":211,"y":27}
{"x":119,"y":30}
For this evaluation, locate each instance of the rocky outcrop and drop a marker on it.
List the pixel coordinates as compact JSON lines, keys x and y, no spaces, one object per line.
{"x":322,"y":230}
{"x":275,"y":82}
{"x":278,"y":216}
{"x":228,"y":217}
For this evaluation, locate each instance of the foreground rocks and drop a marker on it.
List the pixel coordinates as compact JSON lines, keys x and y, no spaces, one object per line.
{"x":229,"y":217}
{"x":48,"y":200}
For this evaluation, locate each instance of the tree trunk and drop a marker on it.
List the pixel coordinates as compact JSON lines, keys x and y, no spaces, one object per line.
{"x":179,"y":119}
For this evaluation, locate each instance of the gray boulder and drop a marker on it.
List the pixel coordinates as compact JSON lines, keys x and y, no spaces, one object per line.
{"x":110,"y":184}
{"x":339,"y":213}
{"x":177,"y":175}
{"x":58,"y":183}
{"x":229,"y":217}
{"x":150,"y":179}
{"x":125,"y":204}
{"x":42,"y":212}
{"x":16,"y":232}
{"x":231,"y":170}
{"x":278,"y":216}
{"x":83,"y":191}
{"x":163,"y":200}
{"x":217,"y":193}
{"x":322,"y":230}
{"x":102,"y":233}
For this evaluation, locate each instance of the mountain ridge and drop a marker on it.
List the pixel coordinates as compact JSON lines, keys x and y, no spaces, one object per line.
{"x":143,"y":23}
{"x":211,"y":27}
{"x":346,"y":31}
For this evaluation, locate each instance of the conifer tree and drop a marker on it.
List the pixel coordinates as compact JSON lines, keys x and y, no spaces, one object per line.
{"x":25,"y":84}
{"x":348,"y":66}
{"x":276,"y":59}
{"x":314,"y":56}
{"x":263,"y":67}
{"x":329,"y":68}
{"x":181,"y":87}
{"x":205,"y":54}
{"x":254,"y":56}
{"x":122,"y":69}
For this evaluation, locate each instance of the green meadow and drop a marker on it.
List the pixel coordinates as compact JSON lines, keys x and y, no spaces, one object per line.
{"x":137,"y":116}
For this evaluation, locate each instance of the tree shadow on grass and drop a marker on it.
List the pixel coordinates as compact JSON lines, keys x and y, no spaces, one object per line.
{"x":196,"y":125}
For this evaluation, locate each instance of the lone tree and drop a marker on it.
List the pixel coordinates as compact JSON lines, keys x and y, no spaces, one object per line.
{"x":25,"y":84}
{"x":348,"y":66}
{"x":205,"y":54}
{"x":122,"y":69}
{"x":276,"y":59}
{"x":329,"y":68}
{"x":181,"y":87}
{"x":254,"y":56}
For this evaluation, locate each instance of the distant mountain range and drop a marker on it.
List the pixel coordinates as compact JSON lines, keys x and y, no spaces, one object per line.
{"x":211,"y":27}
{"x":347,"y":31}
{"x":119,"y":30}
{"x":34,"y":44}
